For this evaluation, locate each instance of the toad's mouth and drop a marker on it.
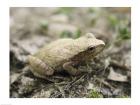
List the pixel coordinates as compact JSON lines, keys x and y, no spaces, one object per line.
{"x":99,"y":49}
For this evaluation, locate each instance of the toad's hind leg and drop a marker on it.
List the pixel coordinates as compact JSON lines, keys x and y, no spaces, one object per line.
{"x":39,"y":68}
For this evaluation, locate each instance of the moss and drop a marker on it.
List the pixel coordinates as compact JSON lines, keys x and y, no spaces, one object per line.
{"x":95,"y":94}
{"x":113,"y":20}
{"x":78,"y":33}
{"x":66,"y":34}
{"x":44,"y":24}
{"x":124,"y":33}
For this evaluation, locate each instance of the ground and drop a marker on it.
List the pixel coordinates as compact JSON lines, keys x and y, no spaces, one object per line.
{"x":110,"y":76}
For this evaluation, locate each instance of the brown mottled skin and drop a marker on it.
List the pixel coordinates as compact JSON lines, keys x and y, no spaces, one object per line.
{"x":64,"y":54}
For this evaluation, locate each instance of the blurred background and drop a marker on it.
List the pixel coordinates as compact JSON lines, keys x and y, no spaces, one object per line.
{"x":109,"y":24}
{"x":31,"y":28}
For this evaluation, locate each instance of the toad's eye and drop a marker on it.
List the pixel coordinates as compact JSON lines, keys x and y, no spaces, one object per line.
{"x":91,"y":48}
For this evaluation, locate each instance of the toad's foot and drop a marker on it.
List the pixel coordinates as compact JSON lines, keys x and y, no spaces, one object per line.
{"x":39,"y":68}
{"x":70,"y":68}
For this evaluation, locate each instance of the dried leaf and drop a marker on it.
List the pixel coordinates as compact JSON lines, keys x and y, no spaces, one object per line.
{"x":117,"y":76}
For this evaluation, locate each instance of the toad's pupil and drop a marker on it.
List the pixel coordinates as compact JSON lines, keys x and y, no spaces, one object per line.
{"x":91,"y":48}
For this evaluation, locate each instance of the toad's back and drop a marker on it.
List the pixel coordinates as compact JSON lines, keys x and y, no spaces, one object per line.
{"x":58,"y":52}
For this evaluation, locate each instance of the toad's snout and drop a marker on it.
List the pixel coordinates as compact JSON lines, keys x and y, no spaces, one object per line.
{"x":100,"y":46}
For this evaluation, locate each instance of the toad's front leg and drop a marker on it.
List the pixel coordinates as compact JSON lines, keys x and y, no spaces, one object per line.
{"x":70,"y":67}
{"x":39,"y":68}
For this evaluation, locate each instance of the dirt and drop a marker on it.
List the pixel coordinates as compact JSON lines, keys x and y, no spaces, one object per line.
{"x":110,"y":72}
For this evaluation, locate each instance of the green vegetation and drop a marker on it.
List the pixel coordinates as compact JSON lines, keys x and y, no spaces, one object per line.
{"x":67,"y":34}
{"x":113,"y":20}
{"x":121,"y":26}
{"x":64,"y":10}
{"x":95,"y":94}
{"x":44,"y":24}
{"x":78,"y":33}
{"x":124,"y":33}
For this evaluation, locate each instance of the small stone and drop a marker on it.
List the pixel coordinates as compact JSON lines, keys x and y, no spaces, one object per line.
{"x":90,"y":86}
{"x":14,"y":77}
{"x":27,"y":85}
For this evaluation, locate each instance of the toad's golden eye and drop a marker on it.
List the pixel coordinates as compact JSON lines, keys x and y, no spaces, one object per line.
{"x":91,"y":48}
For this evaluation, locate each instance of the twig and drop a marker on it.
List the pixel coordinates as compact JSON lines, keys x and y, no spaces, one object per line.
{"x":116,"y":64}
{"x":105,"y":83}
{"x":74,"y":82}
